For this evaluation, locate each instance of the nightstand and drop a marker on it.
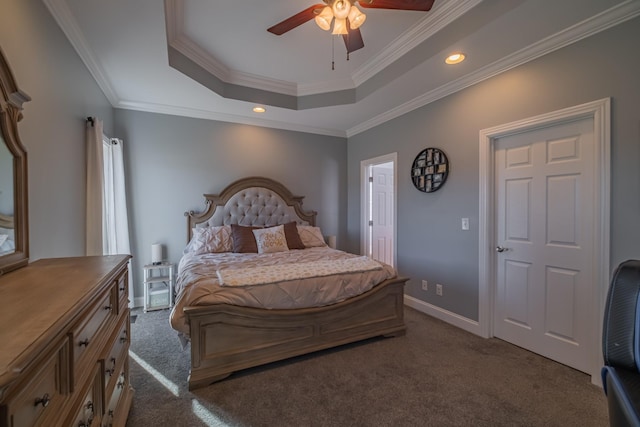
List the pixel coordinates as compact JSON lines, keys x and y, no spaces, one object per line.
{"x":158,"y":286}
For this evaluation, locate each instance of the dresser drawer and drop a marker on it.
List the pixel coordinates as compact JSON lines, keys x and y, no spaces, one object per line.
{"x":86,"y":331}
{"x":118,"y":353}
{"x":115,"y":414}
{"x":90,"y":411}
{"x":122,"y":285}
{"x":43,"y":394}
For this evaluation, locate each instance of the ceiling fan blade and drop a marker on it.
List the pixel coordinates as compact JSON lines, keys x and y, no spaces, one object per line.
{"x":298,"y":19}
{"x":422,"y":5}
{"x":353,"y":41}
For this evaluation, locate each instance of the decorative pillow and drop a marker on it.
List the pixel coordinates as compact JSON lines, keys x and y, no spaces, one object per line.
{"x":243,"y":239}
{"x":271,"y":239}
{"x":311,"y":236}
{"x":210,"y":240}
{"x":293,"y":237}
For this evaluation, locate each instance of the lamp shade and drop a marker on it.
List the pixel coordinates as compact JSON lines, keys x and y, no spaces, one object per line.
{"x":156,"y":253}
{"x":356,"y":18}
{"x":340,"y":26}
{"x":324,"y":18}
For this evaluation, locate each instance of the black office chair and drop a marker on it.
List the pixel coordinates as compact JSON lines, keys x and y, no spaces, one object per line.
{"x":621,"y":346}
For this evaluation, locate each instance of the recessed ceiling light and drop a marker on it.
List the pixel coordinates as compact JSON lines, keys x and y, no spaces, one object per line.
{"x":259,"y":109}
{"x":455,"y":58}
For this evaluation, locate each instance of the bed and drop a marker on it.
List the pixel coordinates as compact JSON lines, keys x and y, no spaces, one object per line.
{"x":228,"y":335}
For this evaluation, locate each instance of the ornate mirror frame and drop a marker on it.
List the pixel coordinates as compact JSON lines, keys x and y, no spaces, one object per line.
{"x":11,"y":100}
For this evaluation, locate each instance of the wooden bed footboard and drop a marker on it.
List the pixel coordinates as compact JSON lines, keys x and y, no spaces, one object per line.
{"x":227,"y":338}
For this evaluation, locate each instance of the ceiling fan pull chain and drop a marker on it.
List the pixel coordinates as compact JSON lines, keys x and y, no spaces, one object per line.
{"x":333,"y":63}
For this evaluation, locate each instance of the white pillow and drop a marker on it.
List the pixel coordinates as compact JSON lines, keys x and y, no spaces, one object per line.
{"x":311,"y":236}
{"x":271,"y":239}
{"x":210,"y":240}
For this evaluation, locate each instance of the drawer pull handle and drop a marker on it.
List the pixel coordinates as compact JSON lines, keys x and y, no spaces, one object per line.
{"x":120,"y":384}
{"x":82,"y":424}
{"x":90,"y":406}
{"x":107,"y":307}
{"x":44,"y":400}
{"x":123,"y":339}
{"x":113,"y":368}
{"x":84,"y":342}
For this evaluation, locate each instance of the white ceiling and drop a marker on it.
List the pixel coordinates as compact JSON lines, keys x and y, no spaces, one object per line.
{"x":222,"y":47}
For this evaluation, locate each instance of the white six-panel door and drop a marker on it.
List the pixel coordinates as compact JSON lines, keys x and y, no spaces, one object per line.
{"x":382,"y":213}
{"x":544,"y":192}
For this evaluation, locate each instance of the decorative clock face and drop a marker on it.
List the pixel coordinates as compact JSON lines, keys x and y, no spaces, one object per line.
{"x":430,"y":170}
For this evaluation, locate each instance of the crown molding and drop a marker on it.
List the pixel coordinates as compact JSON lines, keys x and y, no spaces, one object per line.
{"x":607,"y":19}
{"x":66,"y":21}
{"x":177,"y":39}
{"x":436,"y":20}
{"x":600,"y":22}
{"x":222,"y":117}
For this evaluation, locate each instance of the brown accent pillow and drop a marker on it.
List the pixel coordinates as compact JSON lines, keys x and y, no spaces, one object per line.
{"x":292,"y":236}
{"x":243,"y":239}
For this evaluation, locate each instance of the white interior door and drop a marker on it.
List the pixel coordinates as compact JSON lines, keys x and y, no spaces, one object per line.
{"x":382,"y":213}
{"x":544,"y":195}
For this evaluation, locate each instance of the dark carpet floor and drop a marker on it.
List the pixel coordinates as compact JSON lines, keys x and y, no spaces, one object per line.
{"x":436,"y":375}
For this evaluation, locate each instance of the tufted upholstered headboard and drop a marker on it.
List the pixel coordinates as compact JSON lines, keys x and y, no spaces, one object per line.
{"x":251,"y":201}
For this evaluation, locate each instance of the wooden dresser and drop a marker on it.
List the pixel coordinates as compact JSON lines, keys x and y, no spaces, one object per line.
{"x":64,"y":343}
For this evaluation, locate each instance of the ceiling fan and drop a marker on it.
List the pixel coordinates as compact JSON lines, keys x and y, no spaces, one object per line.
{"x":346,"y":17}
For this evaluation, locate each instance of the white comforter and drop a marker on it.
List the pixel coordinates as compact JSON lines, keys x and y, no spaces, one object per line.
{"x":197,"y":283}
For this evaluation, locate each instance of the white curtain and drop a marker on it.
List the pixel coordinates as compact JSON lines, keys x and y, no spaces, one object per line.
{"x":95,"y":187}
{"x":107,"y":218}
{"x":115,"y":221}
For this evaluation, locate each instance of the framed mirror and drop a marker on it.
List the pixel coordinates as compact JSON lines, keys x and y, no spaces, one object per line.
{"x":14,"y":220}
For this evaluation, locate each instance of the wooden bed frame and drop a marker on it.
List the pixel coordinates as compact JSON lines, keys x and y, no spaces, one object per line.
{"x":227,"y":338}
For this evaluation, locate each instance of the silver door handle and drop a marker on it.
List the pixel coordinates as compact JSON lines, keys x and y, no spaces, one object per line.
{"x":501,"y":249}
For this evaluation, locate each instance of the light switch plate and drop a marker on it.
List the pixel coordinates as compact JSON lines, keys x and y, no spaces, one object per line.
{"x":465,"y":223}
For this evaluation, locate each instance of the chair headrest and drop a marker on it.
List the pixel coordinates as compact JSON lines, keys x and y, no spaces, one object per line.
{"x":621,"y":329}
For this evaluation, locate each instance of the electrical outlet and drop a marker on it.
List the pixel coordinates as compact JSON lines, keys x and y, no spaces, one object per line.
{"x":425,"y":285}
{"x":439,"y":289}
{"x":465,"y":223}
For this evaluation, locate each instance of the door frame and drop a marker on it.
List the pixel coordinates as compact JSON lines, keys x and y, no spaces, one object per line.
{"x":364,"y":200}
{"x":600,"y":112}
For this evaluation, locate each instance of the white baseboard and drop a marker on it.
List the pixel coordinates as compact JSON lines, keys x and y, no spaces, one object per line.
{"x":444,"y":315}
{"x":136,"y":302}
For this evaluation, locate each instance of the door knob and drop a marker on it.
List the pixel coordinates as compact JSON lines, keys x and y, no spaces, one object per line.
{"x":500,"y":249}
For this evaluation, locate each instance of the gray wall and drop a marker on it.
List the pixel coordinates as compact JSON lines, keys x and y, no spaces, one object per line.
{"x":63,"y":93}
{"x":172,"y":161}
{"x":431,"y":244}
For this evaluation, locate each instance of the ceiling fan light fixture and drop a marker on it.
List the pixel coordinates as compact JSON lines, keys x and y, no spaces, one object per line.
{"x":340,"y":26}
{"x":356,"y":18}
{"x":455,"y":58}
{"x":341,"y":9}
{"x":324,"y":18}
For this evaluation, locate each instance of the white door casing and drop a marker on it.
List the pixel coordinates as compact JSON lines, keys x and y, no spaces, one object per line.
{"x":544,"y":232}
{"x":598,"y":267}
{"x":366,"y":203}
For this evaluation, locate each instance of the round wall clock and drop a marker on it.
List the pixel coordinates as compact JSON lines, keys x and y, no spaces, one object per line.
{"x":430,"y":170}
